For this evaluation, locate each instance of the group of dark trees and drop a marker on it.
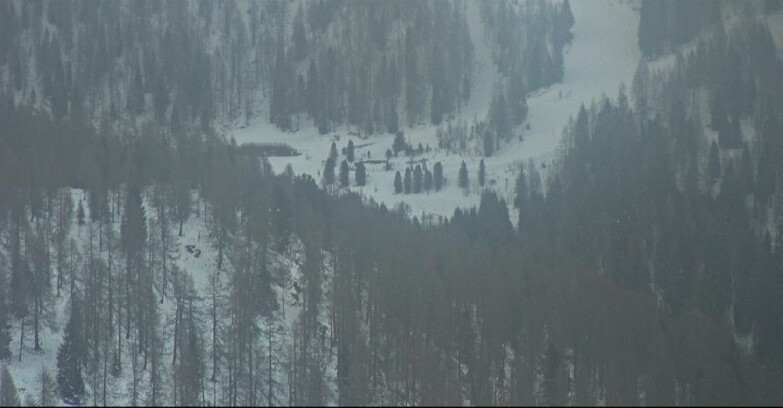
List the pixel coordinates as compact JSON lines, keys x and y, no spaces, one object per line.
{"x":360,"y":172}
{"x":664,"y":25}
{"x":373,"y":65}
{"x":419,"y":179}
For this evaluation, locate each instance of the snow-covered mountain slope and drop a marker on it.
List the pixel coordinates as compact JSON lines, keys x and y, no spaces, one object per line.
{"x":200,"y":262}
{"x":604,"y":53}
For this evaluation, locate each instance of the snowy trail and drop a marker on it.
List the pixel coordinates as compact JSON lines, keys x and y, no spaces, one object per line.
{"x":603,"y":54}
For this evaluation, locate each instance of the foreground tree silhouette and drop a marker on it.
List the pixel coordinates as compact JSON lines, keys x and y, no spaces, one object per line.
{"x":69,"y":371}
{"x":8,"y":395}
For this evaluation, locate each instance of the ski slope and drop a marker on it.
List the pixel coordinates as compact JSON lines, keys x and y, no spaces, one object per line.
{"x":603,"y":54}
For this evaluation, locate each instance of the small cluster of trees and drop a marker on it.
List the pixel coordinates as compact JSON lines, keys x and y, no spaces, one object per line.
{"x":360,"y":172}
{"x":419,"y":179}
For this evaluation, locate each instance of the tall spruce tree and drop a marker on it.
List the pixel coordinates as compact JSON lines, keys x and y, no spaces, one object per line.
{"x":462,"y":178}
{"x":329,"y":171}
{"x":350,"y":151}
{"x":69,"y":370}
{"x":361,"y":174}
{"x":344,"y":174}
{"x":481,"y":173}
{"x":437,"y":176}
{"x":397,"y":183}
{"x":418,"y":176}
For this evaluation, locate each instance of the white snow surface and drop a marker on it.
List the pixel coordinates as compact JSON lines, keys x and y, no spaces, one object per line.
{"x":603,"y":54}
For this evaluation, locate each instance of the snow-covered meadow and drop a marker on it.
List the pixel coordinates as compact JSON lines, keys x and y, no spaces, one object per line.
{"x":602,"y":28}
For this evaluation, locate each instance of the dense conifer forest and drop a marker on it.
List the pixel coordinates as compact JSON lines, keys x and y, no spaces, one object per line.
{"x":174,"y":266}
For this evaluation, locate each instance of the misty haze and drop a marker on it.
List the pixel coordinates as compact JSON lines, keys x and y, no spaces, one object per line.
{"x":394,"y":203}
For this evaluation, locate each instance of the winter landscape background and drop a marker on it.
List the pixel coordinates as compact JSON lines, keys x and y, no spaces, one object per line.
{"x":391,"y":203}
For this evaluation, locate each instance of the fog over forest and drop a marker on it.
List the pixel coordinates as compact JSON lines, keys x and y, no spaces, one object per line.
{"x":380,"y":202}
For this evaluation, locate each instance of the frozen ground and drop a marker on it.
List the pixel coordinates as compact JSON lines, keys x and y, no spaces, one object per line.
{"x":603,"y":54}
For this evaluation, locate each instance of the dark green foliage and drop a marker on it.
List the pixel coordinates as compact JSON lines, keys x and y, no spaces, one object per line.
{"x":5,"y":337}
{"x":481,"y":173}
{"x":69,"y":363}
{"x":399,"y":143}
{"x":361,"y":174}
{"x":772,"y":6}
{"x":437,"y":176}
{"x":349,"y":151}
{"x":397,"y":183}
{"x":418,"y":175}
{"x":344,"y":174}
{"x":652,"y":29}
{"x":427,"y":180}
{"x":462,"y":178}
{"x":665,"y":25}
{"x":328,"y":176}
{"x":520,"y":190}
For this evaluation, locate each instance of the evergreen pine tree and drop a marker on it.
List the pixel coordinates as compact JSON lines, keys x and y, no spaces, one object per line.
{"x":520,"y":190}
{"x":329,"y":171}
{"x":418,"y":176}
{"x":349,"y":151}
{"x":399,"y":143}
{"x":427,"y":180}
{"x":462,"y":180}
{"x":361,"y":174}
{"x":397,"y":183}
{"x":437,"y":176}
{"x":333,"y":152}
{"x":481,"y":173}
{"x":344,"y":174}
{"x":69,"y":371}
